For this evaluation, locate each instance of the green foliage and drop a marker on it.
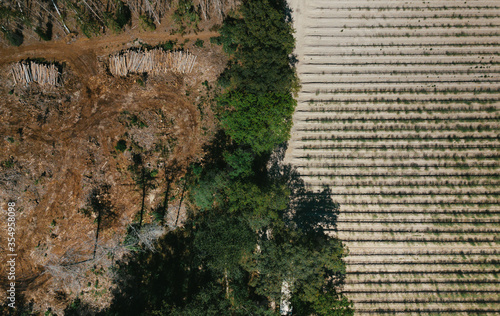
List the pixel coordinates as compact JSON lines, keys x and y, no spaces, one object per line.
{"x":208,"y":193}
{"x":122,"y":14}
{"x":261,"y":42}
{"x":308,"y":262}
{"x":314,"y":211}
{"x":259,"y":121}
{"x":209,"y":301}
{"x":260,"y":203}
{"x":332,"y":304}
{"x":140,"y":82}
{"x":186,"y":16}
{"x":253,"y":223}
{"x":116,"y":21}
{"x":240,"y":162}
{"x":89,"y":26}
{"x":15,"y":38}
{"x":111,"y":23}
{"x":134,"y":119}
{"x":198,"y":43}
{"x":169,"y":45}
{"x":8,"y":163}
{"x":46,"y":34}
{"x":216,"y":40}
{"x":73,"y":307}
{"x":146,"y":23}
{"x":121,"y":145}
{"x":9,"y":15}
{"x":222,"y":240}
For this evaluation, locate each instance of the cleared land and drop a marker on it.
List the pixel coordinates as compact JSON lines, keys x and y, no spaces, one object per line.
{"x":61,"y":142}
{"x":399,"y":114}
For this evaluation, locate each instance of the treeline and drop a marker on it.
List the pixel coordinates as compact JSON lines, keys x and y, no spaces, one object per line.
{"x":254,"y":243}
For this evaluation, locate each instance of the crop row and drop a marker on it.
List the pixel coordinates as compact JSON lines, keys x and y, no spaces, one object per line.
{"x":397,"y":114}
{"x":391,"y":126}
{"x":397,"y":156}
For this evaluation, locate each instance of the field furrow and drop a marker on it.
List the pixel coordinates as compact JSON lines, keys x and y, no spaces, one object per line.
{"x":399,"y":115}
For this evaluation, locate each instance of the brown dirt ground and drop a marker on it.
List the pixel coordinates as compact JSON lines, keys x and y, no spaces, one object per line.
{"x":61,"y":142}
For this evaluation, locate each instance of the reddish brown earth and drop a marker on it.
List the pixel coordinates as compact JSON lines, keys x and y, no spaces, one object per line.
{"x":58,"y":144}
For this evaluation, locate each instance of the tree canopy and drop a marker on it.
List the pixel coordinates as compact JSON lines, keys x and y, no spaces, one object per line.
{"x":261,"y":42}
{"x":260,"y":121}
{"x":254,"y":226}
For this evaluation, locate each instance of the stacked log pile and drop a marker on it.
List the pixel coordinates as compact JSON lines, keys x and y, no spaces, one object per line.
{"x":28,"y":72}
{"x":154,"y":61}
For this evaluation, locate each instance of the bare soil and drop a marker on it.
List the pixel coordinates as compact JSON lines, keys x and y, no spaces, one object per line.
{"x":58,"y":143}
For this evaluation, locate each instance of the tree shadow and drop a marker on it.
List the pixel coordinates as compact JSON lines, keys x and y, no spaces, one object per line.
{"x":309,"y":210}
{"x":146,"y":280}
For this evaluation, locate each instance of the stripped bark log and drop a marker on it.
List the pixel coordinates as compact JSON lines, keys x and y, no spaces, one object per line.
{"x":24,"y":73}
{"x":154,"y":61}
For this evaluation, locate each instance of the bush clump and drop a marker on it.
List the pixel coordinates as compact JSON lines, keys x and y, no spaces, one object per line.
{"x":121,"y":146}
{"x":146,"y":23}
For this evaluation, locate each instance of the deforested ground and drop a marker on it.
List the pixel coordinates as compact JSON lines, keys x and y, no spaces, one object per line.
{"x":398,"y":114}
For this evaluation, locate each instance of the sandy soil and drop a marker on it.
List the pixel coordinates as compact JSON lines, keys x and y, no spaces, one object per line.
{"x":398,"y":115}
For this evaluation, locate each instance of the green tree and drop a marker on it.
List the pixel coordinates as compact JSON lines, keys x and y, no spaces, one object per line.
{"x":307,"y":262}
{"x":101,"y":207}
{"x":240,"y":162}
{"x":261,"y":43}
{"x":208,"y":191}
{"x":258,"y":121}
{"x":332,"y":304}
{"x":222,"y":240}
{"x":15,"y":38}
{"x":117,"y":20}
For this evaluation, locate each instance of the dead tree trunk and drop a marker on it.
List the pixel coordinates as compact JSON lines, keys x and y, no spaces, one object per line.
{"x":60,"y":16}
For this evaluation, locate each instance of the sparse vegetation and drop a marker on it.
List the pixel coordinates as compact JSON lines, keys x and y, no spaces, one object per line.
{"x":147,"y":23}
{"x":186,"y":17}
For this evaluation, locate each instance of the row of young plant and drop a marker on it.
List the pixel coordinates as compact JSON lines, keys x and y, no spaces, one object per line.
{"x":254,"y":242}
{"x":362,"y":99}
{"x":360,"y":140}
{"x":397,"y":127}
{"x":421,"y":17}
{"x":413,"y":8}
{"x":416,"y":26}
{"x":407,"y":90}
{"x":414,"y":183}
{"x":396,"y":155}
{"x":373,"y":108}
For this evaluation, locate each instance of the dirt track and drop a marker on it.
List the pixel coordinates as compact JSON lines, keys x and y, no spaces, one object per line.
{"x":81,"y":54}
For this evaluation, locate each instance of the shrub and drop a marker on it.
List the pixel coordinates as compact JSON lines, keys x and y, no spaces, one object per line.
{"x":15,"y":38}
{"x":45,"y":35}
{"x":169,"y":45}
{"x":121,"y":146}
{"x":199,"y":43}
{"x":89,"y":26}
{"x":146,"y":23}
{"x":116,"y":22}
{"x":186,"y":16}
{"x":122,"y":14}
{"x":111,"y":23}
